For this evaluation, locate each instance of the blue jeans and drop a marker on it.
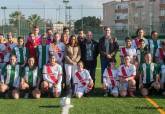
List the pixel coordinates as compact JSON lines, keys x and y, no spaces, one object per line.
{"x":104,"y":64}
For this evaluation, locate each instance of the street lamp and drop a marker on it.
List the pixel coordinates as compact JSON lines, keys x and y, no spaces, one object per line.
{"x":66,"y":16}
{"x":4,"y":11}
{"x":69,"y":21}
{"x":140,"y":9}
{"x":82,"y":17}
{"x":151,"y":14}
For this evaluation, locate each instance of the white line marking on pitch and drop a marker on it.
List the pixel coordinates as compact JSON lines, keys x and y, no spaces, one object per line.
{"x":65,"y":109}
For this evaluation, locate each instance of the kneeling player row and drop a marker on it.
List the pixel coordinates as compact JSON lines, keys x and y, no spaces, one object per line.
{"x":30,"y":83}
{"x":122,"y":81}
{"x":119,"y":81}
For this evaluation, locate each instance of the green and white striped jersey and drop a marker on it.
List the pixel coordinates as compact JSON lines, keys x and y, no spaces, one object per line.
{"x":141,"y":53}
{"x":153,"y":46}
{"x":149,"y":72}
{"x":21,"y":53}
{"x":43,"y":55}
{"x":12,"y":75}
{"x":31,"y":75}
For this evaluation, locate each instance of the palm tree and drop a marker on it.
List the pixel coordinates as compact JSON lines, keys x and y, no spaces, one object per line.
{"x":34,"y":20}
{"x":15,"y":17}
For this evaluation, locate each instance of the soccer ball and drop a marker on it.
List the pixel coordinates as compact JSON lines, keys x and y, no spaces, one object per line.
{"x":65,"y":101}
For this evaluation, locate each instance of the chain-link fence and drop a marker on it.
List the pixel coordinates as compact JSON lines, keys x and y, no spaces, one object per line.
{"x":58,"y":19}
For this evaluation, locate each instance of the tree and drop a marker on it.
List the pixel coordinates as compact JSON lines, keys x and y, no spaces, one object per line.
{"x":59,"y":22}
{"x":34,"y":20}
{"x":89,"y":22}
{"x":15,"y":17}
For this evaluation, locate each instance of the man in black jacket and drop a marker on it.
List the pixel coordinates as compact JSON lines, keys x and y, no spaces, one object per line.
{"x":108,"y":47}
{"x":89,"y":54}
{"x":81,"y":36}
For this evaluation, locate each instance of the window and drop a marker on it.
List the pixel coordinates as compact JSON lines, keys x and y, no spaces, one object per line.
{"x":163,"y":27}
{"x":119,"y":7}
{"x":117,"y":17}
{"x":162,"y":1}
{"x":162,"y":12}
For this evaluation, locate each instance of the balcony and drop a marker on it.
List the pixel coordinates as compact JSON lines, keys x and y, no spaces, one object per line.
{"x":124,"y":21}
{"x":125,"y":10}
{"x":162,"y":6}
{"x":120,"y":26}
{"x":162,"y":1}
{"x":120,"y":16}
{"x":162,"y":18}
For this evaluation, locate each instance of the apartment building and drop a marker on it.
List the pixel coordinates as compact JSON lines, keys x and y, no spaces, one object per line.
{"x":125,"y":16}
{"x":115,"y":15}
{"x":162,"y":16}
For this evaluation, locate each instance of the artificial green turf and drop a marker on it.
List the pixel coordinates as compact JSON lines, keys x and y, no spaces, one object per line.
{"x":30,"y":106}
{"x":109,"y":105}
{"x":160,"y":101}
{"x":95,"y":104}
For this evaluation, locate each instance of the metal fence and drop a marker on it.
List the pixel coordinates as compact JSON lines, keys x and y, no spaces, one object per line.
{"x":59,"y":15}
{"x":62,"y":14}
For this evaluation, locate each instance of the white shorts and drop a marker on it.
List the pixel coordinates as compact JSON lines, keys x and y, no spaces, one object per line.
{"x":114,"y":90}
{"x":58,"y":89}
{"x":81,"y":90}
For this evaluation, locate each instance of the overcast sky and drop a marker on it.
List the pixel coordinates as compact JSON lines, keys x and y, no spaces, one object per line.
{"x":95,"y":5}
